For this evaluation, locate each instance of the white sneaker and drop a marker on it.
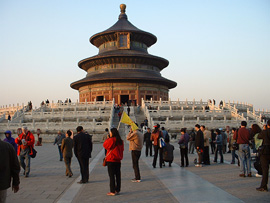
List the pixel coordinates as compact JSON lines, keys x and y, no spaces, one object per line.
{"x":197,"y":165}
{"x":258,"y":175}
{"x":135,"y":181}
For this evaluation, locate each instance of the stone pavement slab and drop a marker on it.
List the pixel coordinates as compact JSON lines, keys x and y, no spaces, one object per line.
{"x":181,"y":183}
{"x":149,"y":190}
{"x":47,"y":180}
{"x":48,"y":183}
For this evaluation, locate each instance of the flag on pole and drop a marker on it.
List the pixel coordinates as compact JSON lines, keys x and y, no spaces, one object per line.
{"x":126,"y":119}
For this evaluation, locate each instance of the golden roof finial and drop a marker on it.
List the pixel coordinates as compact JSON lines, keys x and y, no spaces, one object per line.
{"x":123,"y":8}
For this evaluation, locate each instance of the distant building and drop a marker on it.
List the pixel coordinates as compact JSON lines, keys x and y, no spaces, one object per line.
{"x":123,"y":69}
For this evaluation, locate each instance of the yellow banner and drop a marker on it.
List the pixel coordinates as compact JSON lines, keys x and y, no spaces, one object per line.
{"x":125,"y":119}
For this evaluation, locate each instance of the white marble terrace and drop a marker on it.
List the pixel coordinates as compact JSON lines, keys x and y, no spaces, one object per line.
{"x":96,"y":116}
{"x":175,"y":115}
{"x":93,"y":116}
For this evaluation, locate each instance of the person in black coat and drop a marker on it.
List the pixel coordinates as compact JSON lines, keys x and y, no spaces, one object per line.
{"x":9,"y":170}
{"x":148,"y":142}
{"x":82,"y":149}
{"x":265,"y":157}
{"x":199,"y":144}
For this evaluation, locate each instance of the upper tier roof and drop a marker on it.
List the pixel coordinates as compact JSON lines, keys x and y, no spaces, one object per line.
{"x":123,"y":25}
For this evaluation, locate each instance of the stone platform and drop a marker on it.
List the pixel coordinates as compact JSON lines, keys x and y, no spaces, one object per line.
{"x":214,"y":183}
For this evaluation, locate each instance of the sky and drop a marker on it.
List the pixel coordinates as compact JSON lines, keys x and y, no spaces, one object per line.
{"x":217,"y":49}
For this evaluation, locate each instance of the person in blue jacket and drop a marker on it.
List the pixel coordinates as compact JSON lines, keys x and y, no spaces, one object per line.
{"x":10,"y":140}
{"x":219,"y":143}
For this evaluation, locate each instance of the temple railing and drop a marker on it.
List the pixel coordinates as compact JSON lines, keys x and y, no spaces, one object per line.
{"x":92,"y":115}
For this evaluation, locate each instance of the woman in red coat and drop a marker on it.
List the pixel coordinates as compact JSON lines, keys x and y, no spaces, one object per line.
{"x":115,"y":147}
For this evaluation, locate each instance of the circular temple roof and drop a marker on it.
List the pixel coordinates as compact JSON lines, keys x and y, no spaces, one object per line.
{"x":123,"y":56}
{"x":123,"y":25}
{"x":137,"y":76}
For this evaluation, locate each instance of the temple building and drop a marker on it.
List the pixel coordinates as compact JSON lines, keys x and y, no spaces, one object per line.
{"x":123,"y":70}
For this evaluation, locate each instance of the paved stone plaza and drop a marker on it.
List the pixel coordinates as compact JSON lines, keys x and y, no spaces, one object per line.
{"x":214,"y":183}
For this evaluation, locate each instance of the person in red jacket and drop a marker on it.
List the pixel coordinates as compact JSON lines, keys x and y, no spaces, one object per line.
{"x":243,"y":136}
{"x":25,"y":142}
{"x":115,"y":147}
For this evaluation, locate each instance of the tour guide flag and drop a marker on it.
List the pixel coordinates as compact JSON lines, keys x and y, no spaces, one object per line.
{"x":125,"y":119}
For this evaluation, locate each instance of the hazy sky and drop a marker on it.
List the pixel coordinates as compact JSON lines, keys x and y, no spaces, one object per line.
{"x":216,"y":48}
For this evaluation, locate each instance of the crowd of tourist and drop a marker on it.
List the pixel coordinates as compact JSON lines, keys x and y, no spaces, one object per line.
{"x":240,"y":140}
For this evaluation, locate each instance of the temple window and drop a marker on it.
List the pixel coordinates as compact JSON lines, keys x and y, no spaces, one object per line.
{"x":123,"y":40}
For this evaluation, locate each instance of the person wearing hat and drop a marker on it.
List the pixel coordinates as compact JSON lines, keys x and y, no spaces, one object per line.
{"x":156,"y":134}
{"x":25,"y":142}
{"x":10,"y":140}
{"x":58,"y":141}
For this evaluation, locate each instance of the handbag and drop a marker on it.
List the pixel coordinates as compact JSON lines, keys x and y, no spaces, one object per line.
{"x":161,"y":142}
{"x":34,"y":153}
{"x":104,"y":163}
{"x":183,"y":146}
{"x":235,"y":145}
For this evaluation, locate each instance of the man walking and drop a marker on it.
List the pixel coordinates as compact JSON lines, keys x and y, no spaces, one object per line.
{"x":9,"y":169}
{"x":58,"y":141}
{"x":25,"y":142}
{"x":66,"y":148}
{"x":199,"y":144}
{"x":206,"y":136}
{"x":82,"y":150}
{"x":244,"y":150}
{"x":191,"y":141}
{"x":135,"y":139}
{"x":265,"y":157}
{"x":219,"y":142}
{"x":148,"y":142}
{"x":128,"y":110}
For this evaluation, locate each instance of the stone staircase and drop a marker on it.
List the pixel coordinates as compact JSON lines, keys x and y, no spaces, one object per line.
{"x":139,"y":115}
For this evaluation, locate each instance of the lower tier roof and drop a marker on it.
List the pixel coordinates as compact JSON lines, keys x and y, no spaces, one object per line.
{"x":124,"y":75}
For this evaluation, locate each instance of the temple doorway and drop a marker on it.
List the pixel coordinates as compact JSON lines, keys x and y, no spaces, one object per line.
{"x":124,"y":99}
{"x":148,"y":97}
{"x":100,"y":98}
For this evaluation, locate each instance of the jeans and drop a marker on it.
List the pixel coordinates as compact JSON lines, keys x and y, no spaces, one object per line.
{"x":115,"y":176}
{"x":184,"y":155}
{"x":157,"y":151}
{"x":220,"y":150}
{"x":148,"y":146}
{"x":265,"y":161}
{"x":60,"y":152}
{"x":244,"y":155}
{"x":234,"y":155}
{"x":3,"y":196}
{"x":200,"y":156}
{"x":213,"y":147}
{"x":191,"y":147}
{"x":135,"y":155}
{"x":84,"y":168}
{"x":206,"y":158}
{"x":24,"y":155}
